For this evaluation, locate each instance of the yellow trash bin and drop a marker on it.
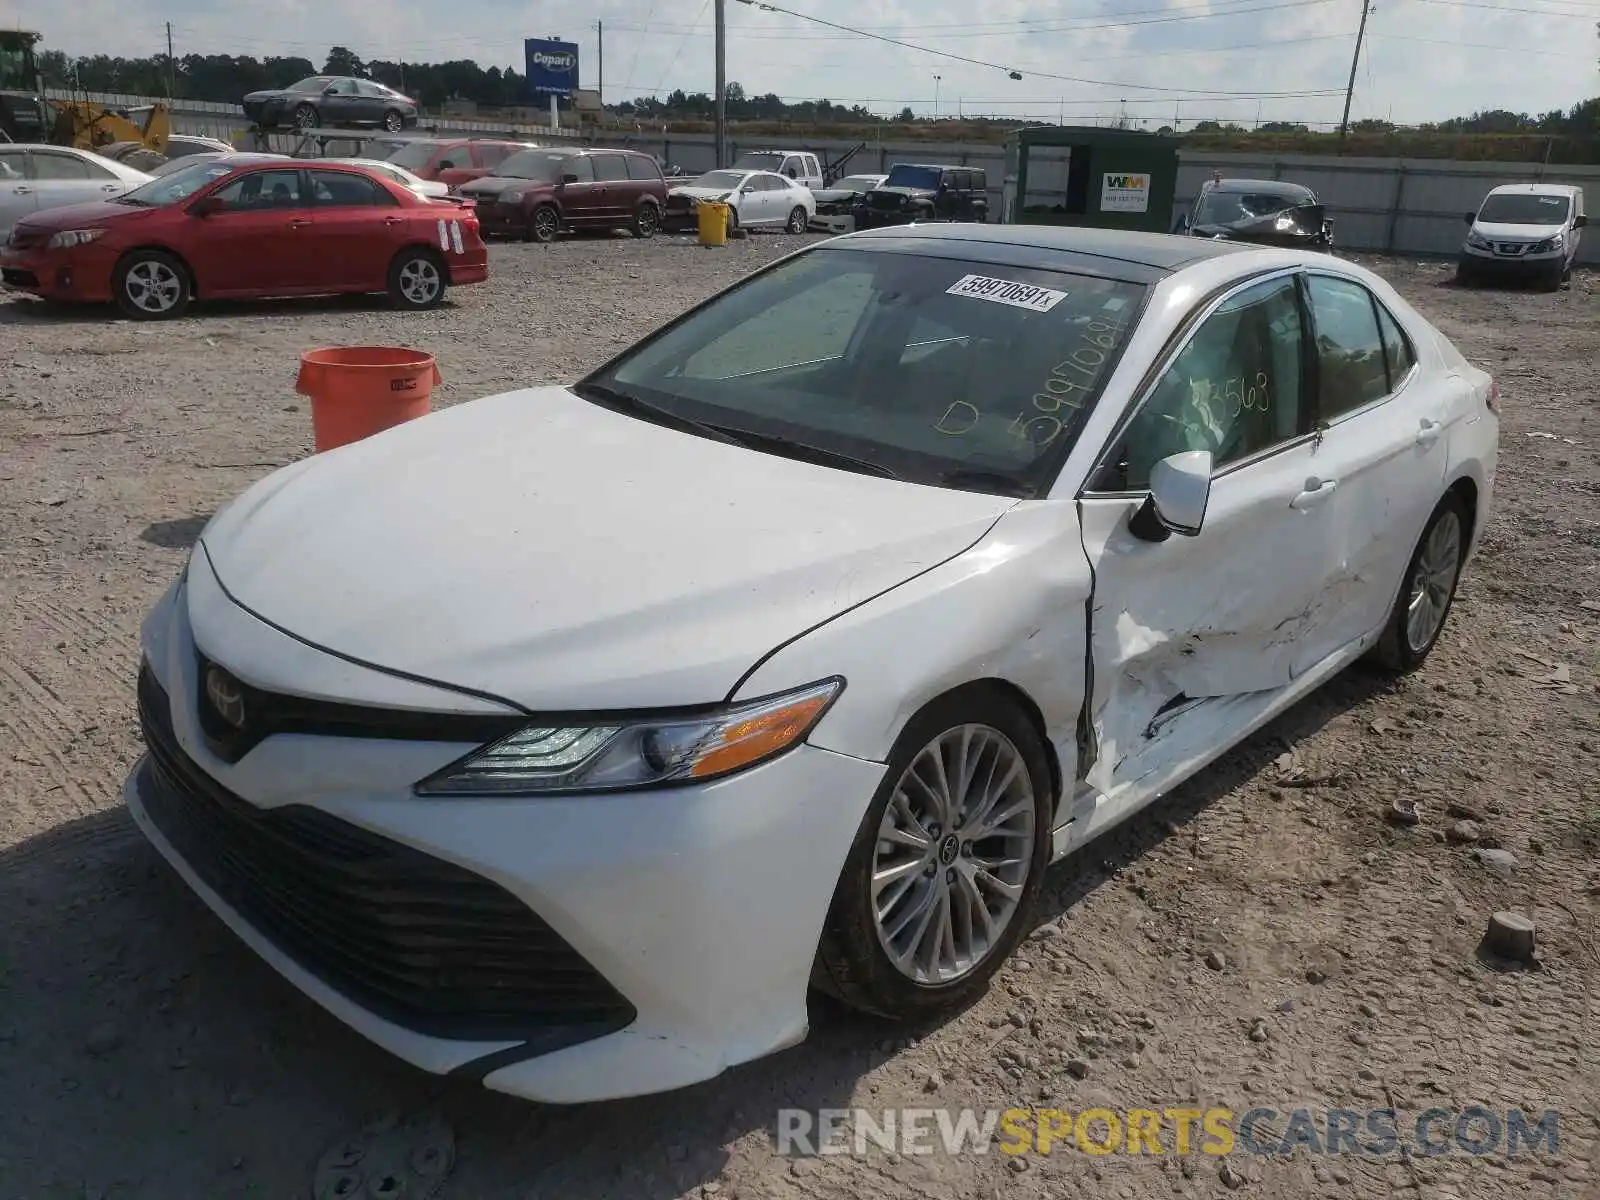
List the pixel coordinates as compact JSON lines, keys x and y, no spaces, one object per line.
{"x":713,"y":216}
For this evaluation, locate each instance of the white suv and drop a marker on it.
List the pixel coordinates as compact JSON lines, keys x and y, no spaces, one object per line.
{"x":1525,"y":230}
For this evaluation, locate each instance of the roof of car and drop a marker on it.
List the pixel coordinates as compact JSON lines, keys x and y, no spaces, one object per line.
{"x":1270,"y":187}
{"x":1159,"y":252}
{"x":1535,"y":189}
{"x":938,"y":166}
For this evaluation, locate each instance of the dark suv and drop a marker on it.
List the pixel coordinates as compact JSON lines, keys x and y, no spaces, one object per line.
{"x":918,"y":192}
{"x":537,"y":193}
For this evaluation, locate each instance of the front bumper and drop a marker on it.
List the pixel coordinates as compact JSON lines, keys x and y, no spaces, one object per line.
{"x":268,"y":114}
{"x":1490,"y":265}
{"x":502,"y":220}
{"x":835,"y":223}
{"x":699,"y":907}
{"x":82,"y":273}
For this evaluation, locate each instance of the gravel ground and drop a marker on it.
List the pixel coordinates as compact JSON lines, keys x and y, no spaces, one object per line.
{"x":1263,"y":937}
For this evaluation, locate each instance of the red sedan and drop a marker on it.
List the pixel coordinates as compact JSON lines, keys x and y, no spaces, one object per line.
{"x":220,"y":230}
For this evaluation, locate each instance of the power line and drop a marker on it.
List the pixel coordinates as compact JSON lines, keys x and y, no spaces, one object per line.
{"x":1541,"y":12}
{"x":676,"y":54}
{"x":1395,"y":37}
{"x":1123,"y":85}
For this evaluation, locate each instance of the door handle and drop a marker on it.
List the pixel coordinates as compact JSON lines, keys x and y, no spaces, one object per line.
{"x":298,"y":222}
{"x":1428,"y":432}
{"x":393,"y":220}
{"x":110,"y":187}
{"x":19,"y":190}
{"x":1316,"y":492}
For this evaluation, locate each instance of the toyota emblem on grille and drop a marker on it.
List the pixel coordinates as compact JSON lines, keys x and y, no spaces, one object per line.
{"x":226,"y":696}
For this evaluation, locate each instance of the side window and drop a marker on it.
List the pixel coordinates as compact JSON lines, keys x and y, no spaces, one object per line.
{"x":59,"y":166}
{"x":964,"y":180}
{"x":581,"y":166}
{"x":812,"y":169}
{"x":345,"y":87}
{"x":1233,"y":390}
{"x":261,"y":190}
{"x":792,"y":166}
{"x":1397,"y":348}
{"x":771,"y":183}
{"x":346,"y":190}
{"x":609,"y":167}
{"x":490,"y":154}
{"x":980,"y":181}
{"x":13,"y":166}
{"x":642,"y":167}
{"x":1350,"y":354}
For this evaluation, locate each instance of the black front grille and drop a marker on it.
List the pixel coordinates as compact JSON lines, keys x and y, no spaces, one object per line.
{"x":17,"y":277}
{"x":886,"y":201}
{"x":421,"y":942}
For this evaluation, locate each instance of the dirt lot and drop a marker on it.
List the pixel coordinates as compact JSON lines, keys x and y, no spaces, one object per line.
{"x":1265,"y":937}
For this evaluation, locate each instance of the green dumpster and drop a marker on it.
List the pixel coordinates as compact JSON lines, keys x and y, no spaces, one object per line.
{"x":1077,"y":175}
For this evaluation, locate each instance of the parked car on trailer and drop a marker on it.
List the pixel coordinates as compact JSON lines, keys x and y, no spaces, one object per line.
{"x":836,"y":205}
{"x":454,"y":161}
{"x":922,"y":192}
{"x":537,"y":193}
{"x":757,"y":200}
{"x":325,"y":101}
{"x":1270,"y":212}
{"x":241,"y":231}
{"x":999,"y":534}
{"x":1524,"y":231}
{"x":34,"y":178}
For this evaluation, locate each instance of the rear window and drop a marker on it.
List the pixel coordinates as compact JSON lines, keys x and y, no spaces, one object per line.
{"x":640,"y":167}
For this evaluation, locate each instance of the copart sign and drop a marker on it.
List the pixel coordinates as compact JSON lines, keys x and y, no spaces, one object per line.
{"x":552,"y":67}
{"x":1124,"y":192}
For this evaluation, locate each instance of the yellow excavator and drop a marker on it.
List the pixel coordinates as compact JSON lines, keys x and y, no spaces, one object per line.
{"x":27,"y":116}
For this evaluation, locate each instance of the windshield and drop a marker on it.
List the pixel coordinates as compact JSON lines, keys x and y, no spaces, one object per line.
{"x":414,"y":155}
{"x":180,"y":185}
{"x":905,"y":176}
{"x":760,"y":160}
{"x":722,"y":180}
{"x":1224,"y":208}
{"x":937,"y":370}
{"x":1523,"y":208}
{"x":545,"y":166}
{"x":313,"y":84}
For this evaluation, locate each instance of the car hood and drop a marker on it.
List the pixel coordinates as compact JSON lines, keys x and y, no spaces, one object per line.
{"x":1302,"y":222}
{"x":834,"y":195}
{"x":275,"y":94}
{"x":1506,"y":231}
{"x":493,"y":185}
{"x":566,"y":557}
{"x":701,"y":193}
{"x":901,"y":191}
{"x":85,"y":216}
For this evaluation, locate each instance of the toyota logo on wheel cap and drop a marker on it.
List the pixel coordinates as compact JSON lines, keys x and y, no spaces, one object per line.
{"x":226,"y":695}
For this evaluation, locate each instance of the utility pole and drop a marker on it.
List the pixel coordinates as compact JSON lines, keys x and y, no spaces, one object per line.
{"x":936,"y":80}
{"x":600,"y":39}
{"x":172,"y":70}
{"x":1350,"y":88}
{"x":722,"y":82}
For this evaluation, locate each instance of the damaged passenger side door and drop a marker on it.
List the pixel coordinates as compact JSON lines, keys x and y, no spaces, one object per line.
{"x":1192,"y":632}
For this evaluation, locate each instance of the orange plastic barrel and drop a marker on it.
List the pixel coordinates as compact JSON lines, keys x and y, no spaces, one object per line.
{"x":357,"y":391}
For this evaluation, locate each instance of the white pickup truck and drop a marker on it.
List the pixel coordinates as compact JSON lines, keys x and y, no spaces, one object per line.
{"x":799,"y":165}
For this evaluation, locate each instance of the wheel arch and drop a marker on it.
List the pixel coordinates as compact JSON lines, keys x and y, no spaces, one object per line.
{"x":427,"y":247}
{"x":993,"y":686}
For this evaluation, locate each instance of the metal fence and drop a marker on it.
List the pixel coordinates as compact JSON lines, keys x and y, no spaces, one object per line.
{"x":1388,"y":205}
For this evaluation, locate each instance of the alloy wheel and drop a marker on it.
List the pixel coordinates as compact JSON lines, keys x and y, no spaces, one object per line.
{"x":1433,"y":581}
{"x":305,"y":117}
{"x":420,"y":281}
{"x":544,"y":225}
{"x":953,"y":854}
{"x":392,"y":121}
{"x":153,"y":286}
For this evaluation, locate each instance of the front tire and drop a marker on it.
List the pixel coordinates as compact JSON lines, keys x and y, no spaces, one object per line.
{"x":417,"y":280}
{"x":646,"y":221}
{"x":798,"y":220}
{"x":305,"y":117}
{"x":1428,"y":590}
{"x":544,"y":224}
{"x":945,"y":871}
{"x":151,"y":285}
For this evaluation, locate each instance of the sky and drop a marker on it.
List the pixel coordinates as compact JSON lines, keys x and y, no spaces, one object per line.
{"x":1084,"y":61}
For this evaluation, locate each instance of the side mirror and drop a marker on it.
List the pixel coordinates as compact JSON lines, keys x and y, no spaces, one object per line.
{"x":1579,"y":221}
{"x":205,"y":206}
{"x":446,"y":164}
{"x":330,"y":89}
{"x":1180,"y":488}
{"x":746,"y":190}
{"x":1469,"y":218}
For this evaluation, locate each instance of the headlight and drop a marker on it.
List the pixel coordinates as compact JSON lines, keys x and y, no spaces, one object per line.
{"x":1283,"y":224}
{"x":68,"y":238}
{"x":626,"y":754}
{"x":1550,"y":243}
{"x":512,"y":197}
{"x":1474,"y":238}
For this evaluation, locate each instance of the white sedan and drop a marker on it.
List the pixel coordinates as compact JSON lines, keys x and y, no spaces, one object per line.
{"x":905,"y":566}
{"x":34,"y":178}
{"x":428,"y":189}
{"x":759,"y":199}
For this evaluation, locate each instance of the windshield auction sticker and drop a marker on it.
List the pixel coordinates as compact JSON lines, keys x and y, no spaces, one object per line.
{"x":1006,"y":291}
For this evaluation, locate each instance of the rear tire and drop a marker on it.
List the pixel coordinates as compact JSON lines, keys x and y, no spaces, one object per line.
{"x":151,"y":285}
{"x":1427,"y":591}
{"x":646,"y":221}
{"x":305,"y":117}
{"x":544,"y":225}
{"x":959,"y":866}
{"x":798,"y":220}
{"x":417,"y":280}
{"x":393,"y":121}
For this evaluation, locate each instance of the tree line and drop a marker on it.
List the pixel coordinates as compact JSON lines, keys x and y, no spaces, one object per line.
{"x":227,"y":77}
